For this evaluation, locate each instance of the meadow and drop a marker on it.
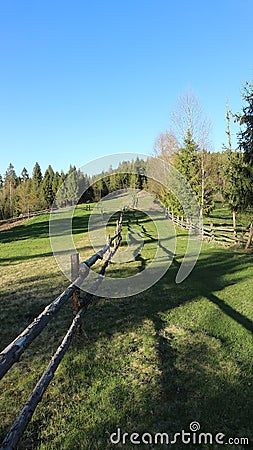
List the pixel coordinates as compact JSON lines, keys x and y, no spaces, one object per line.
{"x":153,"y":362}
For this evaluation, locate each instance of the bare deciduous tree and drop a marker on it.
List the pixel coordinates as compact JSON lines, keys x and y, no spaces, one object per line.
{"x":165,"y":146}
{"x":188,"y":117}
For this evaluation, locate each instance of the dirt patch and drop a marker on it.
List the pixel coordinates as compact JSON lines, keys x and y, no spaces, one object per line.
{"x":6,"y":225}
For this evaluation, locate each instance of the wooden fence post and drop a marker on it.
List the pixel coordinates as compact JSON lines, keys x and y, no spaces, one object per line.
{"x":76,"y":293}
{"x":249,"y":241}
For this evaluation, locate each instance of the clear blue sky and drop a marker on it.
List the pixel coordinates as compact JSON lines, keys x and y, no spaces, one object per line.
{"x":80,"y":79}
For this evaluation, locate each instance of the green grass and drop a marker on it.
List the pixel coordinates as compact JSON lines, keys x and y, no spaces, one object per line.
{"x":153,"y":362}
{"x":222,"y":216}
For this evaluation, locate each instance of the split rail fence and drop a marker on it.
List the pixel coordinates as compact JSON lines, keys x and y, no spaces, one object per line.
{"x":215,"y":233}
{"x":15,"y":349}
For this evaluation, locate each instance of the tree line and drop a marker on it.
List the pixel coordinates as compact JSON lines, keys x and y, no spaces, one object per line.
{"x":24,"y":194}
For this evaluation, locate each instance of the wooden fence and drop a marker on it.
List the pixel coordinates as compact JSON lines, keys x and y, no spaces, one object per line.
{"x":21,"y":217}
{"x":14,"y":350}
{"x":224,"y":235}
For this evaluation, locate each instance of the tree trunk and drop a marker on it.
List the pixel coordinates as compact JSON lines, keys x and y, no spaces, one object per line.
{"x":249,"y":241}
{"x":202,"y":183}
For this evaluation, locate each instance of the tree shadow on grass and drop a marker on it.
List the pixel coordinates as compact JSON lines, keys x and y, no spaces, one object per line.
{"x":40,"y":229}
{"x":202,"y":375}
{"x":25,"y":231}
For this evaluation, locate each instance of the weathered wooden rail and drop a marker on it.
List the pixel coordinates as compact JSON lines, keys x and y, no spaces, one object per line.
{"x":224,"y":235}
{"x":12,"y":353}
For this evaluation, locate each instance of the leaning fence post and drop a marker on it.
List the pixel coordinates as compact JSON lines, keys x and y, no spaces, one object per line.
{"x":76,"y":293}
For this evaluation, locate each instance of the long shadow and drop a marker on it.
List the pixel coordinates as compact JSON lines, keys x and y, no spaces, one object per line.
{"x":177,"y":398}
{"x":238,"y":317}
{"x":40,"y":229}
{"x":180,"y":399}
{"x":189,"y":391}
{"x":25,"y":231}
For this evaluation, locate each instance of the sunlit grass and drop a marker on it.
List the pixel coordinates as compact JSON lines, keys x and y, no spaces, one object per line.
{"x":152,"y":362}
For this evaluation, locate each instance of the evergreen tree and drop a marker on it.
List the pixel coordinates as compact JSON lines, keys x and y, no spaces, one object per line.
{"x":246,"y":145}
{"x":246,"y":140}
{"x":246,"y":120}
{"x":71,"y":186}
{"x":56,"y":182}
{"x":10,"y":176}
{"x":190,"y":164}
{"x":87,"y":190}
{"x":61,"y":193}
{"x":83,"y":185}
{"x":235,"y":182}
{"x":24,"y":175}
{"x":37,"y":175}
{"x":10,"y":183}
{"x":235,"y":176}
{"x":47,"y":186}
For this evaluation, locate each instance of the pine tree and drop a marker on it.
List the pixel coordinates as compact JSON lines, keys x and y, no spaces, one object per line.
{"x":234,"y":171}
{"x":47,"y":186}
{"x":71,"y":185}
{"x":192,"y":166}
{"x":235,"y":182}
{"x":37,"y":175}
{"x":87,"y":192}
{"x":246,"y":120}
{"x":246,"y":145}
{"x":72,"y":188}
{"x":10,"y":183}
{"x":24,"y":175}
{"x":60,"y":198}
{"x":56,"y":182}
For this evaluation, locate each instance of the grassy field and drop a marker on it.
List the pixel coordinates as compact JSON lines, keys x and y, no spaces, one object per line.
{"x":153,"y":362}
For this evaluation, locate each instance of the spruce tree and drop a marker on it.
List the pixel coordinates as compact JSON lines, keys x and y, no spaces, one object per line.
{"x":187,"y":161}
{"x":37,"y":175}
{"x":246,"y":120}
{"x":24,"y":175}
{"x":60,"y":198}
{"x":56,"y":182}
{"x":246,"y":145}
{"x":234,"y":190}
{"x":47,"y":186}
{"x":234,"y":170}
{"x":10,"y":183}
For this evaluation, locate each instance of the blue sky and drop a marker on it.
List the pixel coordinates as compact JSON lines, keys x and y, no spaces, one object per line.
{"x":82,"y":79}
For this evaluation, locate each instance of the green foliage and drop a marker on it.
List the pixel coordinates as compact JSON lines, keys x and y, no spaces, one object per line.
{"x":47,"y":186}
{"x":246,"y":142}
{"x":235,"y":186}
{"x":10,"y":177}
{"x":24,"y":175}
{"x":246,"y":120}
{"x":71,"y":186}
{"x":37,"y":175}
{"x":188,"y":161}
